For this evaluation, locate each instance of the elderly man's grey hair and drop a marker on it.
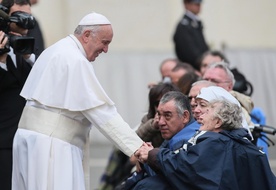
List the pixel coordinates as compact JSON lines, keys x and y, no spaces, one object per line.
{"x":229,"y":113}
{"x":224,"y":66}
{"x":81,"y":28}
{"x":181,"y":102}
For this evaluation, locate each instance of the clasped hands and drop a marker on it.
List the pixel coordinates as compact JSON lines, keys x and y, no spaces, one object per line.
{"x":142,"y":153}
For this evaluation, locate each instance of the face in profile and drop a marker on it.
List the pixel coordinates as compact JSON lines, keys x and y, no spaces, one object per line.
{"x":200,"y":108}
{"x":167,"y":67}
{"x":98,"y":42}
{"x":219,"y":77}
{"x":208,"y":120}
{"x":194,"y":91}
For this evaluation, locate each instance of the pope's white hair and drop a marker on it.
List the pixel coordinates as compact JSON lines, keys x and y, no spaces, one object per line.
{"x":81,"y":28}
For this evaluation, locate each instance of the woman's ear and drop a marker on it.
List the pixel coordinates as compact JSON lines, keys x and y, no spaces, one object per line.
{"x":218,"y":123}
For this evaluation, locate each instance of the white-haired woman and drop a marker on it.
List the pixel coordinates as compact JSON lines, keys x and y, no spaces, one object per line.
{"x":219,"y":156}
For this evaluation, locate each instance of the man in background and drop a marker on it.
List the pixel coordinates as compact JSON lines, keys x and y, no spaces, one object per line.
{"x":221,"y":75}
{"x":188,"y":38}
{"x":14,"y":70}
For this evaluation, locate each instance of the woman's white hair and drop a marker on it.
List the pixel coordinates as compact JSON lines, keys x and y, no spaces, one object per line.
{"x":229,"y":113}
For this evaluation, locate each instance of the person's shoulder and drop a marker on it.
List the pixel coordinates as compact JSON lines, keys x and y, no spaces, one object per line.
{"x":67,"y":48}
{"x":211,"y":136}
{"x":58,"y":56}
{"x":244,"y":100}
{"x":186,"y":21}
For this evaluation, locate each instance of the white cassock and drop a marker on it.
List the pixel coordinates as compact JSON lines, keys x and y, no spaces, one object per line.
{"x":64,"y":100}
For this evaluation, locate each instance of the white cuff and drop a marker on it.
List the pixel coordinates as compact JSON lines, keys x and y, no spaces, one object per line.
{"x":3,"y":66}
{"x":31,"y":59}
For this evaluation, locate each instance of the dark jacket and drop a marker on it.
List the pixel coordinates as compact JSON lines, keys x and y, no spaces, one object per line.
{"x":153,"y":181}
{"x":39,"y":40}
{"x":189,"y":41}
{"x":12,"y":104}
{"x":225,"y":160}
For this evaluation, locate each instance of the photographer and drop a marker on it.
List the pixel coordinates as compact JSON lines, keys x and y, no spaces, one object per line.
{"x":15,"y":65}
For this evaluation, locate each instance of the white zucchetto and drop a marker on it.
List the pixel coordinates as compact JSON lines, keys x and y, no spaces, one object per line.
{"x":94,"y":19}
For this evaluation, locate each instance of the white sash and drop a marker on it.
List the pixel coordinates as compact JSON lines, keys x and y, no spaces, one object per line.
{"x":61,"y":127}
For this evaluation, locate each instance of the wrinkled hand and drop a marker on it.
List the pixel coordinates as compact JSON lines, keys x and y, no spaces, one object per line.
{"x":142,"y":152}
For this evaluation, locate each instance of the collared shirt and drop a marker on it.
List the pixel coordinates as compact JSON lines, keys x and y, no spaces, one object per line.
{"x":192,"y":15}
{"x":30,"y":60}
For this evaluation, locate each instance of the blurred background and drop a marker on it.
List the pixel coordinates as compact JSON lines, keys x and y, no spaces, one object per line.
{"x":243,"y":30}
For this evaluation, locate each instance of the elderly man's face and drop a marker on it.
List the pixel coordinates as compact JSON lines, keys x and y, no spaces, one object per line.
{"x":99,"y":42}
{"x":170,"y":122}
{"x":219,"y":77}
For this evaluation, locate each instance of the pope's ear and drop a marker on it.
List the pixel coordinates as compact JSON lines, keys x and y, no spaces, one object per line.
{"x":85,"y":35}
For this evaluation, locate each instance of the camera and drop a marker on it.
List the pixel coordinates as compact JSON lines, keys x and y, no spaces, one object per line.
{"x":20,"y":44}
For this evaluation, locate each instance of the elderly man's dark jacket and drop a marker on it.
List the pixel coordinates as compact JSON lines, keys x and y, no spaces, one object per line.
{"x":225,"y":160}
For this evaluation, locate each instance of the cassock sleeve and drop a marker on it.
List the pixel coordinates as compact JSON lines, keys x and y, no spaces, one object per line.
{"x":109,"y":122}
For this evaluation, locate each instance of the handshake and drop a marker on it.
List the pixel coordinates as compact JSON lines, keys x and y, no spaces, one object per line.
{"x":142,"y":153}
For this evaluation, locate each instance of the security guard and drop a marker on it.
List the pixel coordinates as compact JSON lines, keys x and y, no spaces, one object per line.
{"x":188,"y":37}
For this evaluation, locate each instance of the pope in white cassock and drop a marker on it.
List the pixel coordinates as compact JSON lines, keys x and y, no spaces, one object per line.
{"x":64,"y":99}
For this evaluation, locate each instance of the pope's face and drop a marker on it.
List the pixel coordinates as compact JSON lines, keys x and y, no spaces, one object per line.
{"x":99,"y":42}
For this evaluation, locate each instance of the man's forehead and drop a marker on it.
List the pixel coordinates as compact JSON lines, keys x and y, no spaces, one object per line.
{"x":23,"y":8}
{"x":215,"y":69}
{"x":195,"y":89}
{"x":166,"y":107}
{"x":105,"y":31}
